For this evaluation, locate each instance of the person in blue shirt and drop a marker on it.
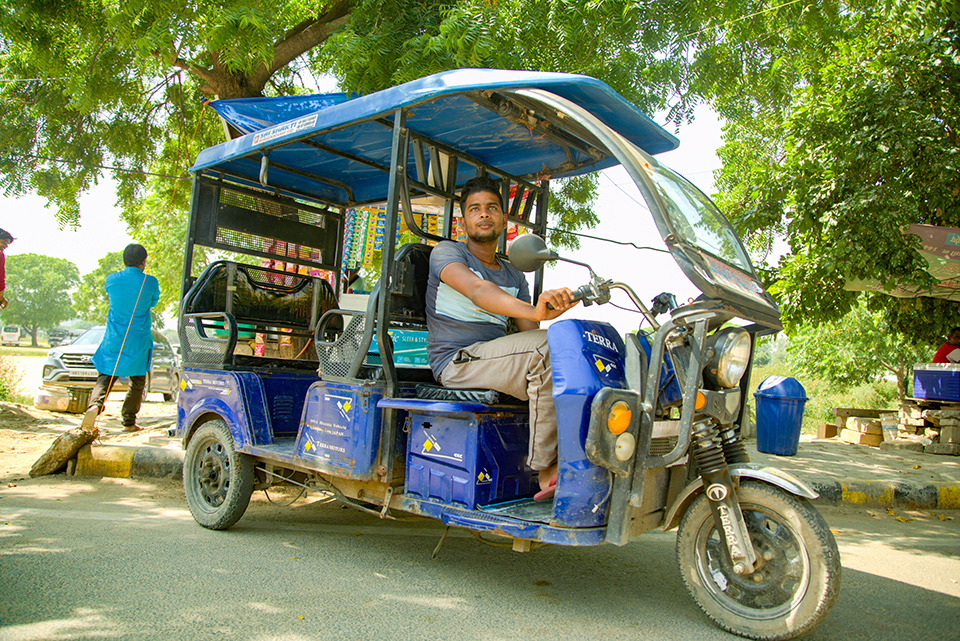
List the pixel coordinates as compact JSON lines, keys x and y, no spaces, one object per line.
{"x":127,"y":344}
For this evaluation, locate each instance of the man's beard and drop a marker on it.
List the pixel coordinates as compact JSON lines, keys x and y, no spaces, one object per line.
{"x":484,"y":236}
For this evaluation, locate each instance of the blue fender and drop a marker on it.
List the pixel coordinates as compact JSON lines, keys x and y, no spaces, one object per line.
{"x":237,"y":424}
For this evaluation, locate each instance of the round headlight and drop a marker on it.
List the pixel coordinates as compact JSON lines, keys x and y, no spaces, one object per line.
{"x":731,"y":356}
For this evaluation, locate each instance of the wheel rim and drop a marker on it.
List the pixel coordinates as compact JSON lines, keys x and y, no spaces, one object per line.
{"x":782,"y":573}
{"x":213,"y":474}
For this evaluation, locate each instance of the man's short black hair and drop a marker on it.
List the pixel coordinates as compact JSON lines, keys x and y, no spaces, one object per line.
{"x":478,"y":184}
{"x":952,"y":330}
{"x":5,"y":235}
{"x":134,"y":254}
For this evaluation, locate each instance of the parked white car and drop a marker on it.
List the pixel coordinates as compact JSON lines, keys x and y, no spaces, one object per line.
{"x":10,"y":335}
{"x":71,"y":365}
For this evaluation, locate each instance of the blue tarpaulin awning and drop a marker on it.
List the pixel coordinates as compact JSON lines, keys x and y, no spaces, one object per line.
{"x":336,"y":148}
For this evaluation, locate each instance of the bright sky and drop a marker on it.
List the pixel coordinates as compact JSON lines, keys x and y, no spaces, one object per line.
{"x":101,"y":231}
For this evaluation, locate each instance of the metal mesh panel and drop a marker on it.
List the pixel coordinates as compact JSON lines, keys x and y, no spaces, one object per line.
{"x":336,"y":357}
{"x":273,"y":208}
{"x":279,"y":248}
{"x":198,"y":344}
{"x":274,"y":228}
{"x":659,"y":446}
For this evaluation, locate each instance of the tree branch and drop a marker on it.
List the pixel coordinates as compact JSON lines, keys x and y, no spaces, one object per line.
{"x":304,"y":37}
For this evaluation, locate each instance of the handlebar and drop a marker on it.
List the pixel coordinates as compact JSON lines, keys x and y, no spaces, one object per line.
{"x":598,"y":291}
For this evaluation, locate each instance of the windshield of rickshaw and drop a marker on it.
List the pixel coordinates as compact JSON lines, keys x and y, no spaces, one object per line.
{"x":696,"y":220}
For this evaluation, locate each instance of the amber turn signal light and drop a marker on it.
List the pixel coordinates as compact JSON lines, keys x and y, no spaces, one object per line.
{"x":618,"y":420}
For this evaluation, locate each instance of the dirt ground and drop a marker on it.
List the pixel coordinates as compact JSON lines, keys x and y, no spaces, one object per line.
{"x":26,"y":432}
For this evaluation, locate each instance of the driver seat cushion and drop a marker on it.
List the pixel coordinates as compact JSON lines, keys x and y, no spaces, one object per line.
{"x":485,"y":396}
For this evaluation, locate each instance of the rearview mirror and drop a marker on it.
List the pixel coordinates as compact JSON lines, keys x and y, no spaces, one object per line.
{"x":528,"y":253}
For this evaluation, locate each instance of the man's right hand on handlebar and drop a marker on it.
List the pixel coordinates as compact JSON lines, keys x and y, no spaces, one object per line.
{"x":553,"y":302}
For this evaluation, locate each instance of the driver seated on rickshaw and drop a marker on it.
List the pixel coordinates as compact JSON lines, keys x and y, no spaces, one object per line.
{"x":471,"y":293}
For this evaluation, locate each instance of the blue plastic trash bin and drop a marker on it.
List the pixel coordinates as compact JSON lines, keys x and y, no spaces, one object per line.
{"x":780,"y":401}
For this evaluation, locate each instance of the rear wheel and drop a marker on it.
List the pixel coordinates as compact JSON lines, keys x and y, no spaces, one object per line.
{"x":217,"y":480}
{"x":797,"y":576}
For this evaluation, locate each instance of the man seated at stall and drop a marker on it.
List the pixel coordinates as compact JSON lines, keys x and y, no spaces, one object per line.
{"x":949,"y":352}
{"x":471,"y":293}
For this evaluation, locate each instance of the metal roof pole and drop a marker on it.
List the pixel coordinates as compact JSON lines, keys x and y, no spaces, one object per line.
{"x":398,"y":169}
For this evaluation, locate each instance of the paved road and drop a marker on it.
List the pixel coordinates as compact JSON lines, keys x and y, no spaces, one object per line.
{"x":122,"y":559}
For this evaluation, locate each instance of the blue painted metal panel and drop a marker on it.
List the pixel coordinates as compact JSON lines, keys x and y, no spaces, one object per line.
{"x":285,"y":394}
{"x":585,"y":356}
{"x":469,"y":458}
{"x":479,"y":521}
{"x":340,"y":429}
{"x":220,"y":392}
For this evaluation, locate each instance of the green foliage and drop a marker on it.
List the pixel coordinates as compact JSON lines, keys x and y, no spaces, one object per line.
{"x":842,"y":123}
{"x":90,"y":301}
{"x":860,"y":145}
{"x":10,"y":377}
{"x":38,"y":291}
{"x":618,"y":41}
{"x":824,"y":396}
{"x":105,"y":84}
{"x":855,"y":350}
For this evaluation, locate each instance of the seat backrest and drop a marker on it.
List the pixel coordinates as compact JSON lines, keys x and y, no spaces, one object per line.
{"x":410,"y":273}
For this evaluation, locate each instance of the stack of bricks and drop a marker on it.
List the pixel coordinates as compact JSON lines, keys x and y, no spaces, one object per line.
{"x":911,"y":420}
{"x":856,"y":425}
{"x":944,"y":431}
{"x":862,"y":431}
{"x":941,"y":426}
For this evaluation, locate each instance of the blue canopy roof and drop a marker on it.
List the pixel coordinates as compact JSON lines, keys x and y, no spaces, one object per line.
{"x":336,"y":148}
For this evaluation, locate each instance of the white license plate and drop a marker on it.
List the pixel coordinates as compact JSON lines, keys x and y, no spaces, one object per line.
{"x":82,"y":373}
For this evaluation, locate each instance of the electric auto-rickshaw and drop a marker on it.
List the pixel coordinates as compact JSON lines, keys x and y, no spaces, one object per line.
{"x":289,"y":379}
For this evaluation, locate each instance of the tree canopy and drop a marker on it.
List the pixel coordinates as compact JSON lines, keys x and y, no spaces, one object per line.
{"x":90,"y":301}
{"x":841,"y":124}
{"x":863,"y":145}
{"x":856,"y":349}
{"x":38,"y":291}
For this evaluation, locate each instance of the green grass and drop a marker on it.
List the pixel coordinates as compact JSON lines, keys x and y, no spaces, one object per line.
{"x":824,"y":396}
{"x":23,"y":351}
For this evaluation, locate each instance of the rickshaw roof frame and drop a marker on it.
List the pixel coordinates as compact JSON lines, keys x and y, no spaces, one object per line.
{"x":443,"y":110}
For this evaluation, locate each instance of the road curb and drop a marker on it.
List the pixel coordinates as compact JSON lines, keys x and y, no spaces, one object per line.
{"x":125,"y":461}
{"x":146,"y":461}
{"x":903,"y":494}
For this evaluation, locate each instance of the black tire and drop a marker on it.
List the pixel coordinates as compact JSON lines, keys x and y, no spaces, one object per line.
{"x":174,"y":389}
{"x":793,"y":587}
{"x":217,"y":481}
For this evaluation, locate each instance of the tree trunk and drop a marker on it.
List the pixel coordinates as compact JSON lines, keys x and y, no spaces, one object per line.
{"x":901,"y":386}
{"x":62,"y":450}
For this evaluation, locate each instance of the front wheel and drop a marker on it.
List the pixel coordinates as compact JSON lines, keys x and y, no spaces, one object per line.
{"x":797,"y":575}
{"x":217,"y":480}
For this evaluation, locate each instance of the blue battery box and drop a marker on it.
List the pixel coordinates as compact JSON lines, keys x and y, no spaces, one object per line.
{"x":466,"y":454}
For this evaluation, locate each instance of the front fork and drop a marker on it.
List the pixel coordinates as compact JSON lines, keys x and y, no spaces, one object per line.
{"x":713,"y":452}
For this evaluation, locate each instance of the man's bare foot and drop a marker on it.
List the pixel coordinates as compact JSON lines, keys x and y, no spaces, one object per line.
{"x":548,"y":477}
